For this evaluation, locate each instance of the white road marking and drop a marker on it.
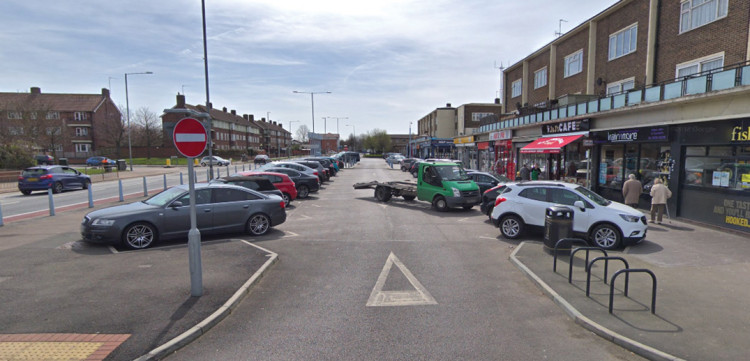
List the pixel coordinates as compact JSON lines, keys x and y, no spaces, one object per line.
{"x":290,"y":234}
{"x":492,"y":238}
{"x":418,"y":296}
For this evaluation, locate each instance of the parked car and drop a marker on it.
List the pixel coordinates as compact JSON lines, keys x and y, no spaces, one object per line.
{"x":279,"y":180}
{"x":44,"y":159}
{"x":56,"y":177}
{"x":322,"y":171}
{"x":326,"y":163}
{"x":603,"y":223}
{"x":262,"y":159}
{"x":291,"y":165}
{"x":407,"y":162}
{"x":305,"y":183}
{"x":100,"y":162}
{"x":221,"y":208}
{"x":488,"y":199}
{"x":259,"y":184}
{"x":215,"y":160}
{"x":486,"y":180}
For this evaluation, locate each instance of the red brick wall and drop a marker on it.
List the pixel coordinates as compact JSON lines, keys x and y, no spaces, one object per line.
{"x":728,"y":34}
{"x":509,"y":78}
{"x":536,"y":63}
{"x":627,"y":66}
{"x":576,"y":83}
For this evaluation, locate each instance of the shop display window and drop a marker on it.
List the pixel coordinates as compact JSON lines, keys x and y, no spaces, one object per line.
{"x":723,"y":167}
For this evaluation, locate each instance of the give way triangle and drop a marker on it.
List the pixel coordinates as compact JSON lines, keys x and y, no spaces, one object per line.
{"x":416,"y":296}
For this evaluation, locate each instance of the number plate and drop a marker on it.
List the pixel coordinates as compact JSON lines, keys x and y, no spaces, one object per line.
{"x":32,"y":179}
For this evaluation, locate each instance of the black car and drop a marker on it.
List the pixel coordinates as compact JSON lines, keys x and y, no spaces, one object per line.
{"x":407,"y":162}
{"x":489,"y":197}
{"x":486,"y":180}
{"x":323,"y":172}
{"x":305,"y":183}
{"x":326,"y":163}
{"x":259,"y":184}
{"x":43,"y":159}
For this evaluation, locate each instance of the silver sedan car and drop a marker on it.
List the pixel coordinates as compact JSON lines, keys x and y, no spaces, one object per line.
{"x":220,"y":208}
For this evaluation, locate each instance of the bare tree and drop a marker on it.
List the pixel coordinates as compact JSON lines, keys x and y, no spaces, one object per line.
{"x":301,"y":133}
{"x":114,"y":131}
{"x":148,"y":129}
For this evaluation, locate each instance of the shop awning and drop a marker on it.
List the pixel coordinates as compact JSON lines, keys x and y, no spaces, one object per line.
{"x":550,"y":144}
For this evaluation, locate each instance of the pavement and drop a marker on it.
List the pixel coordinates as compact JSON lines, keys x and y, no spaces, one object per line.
{"x":88,"y":302}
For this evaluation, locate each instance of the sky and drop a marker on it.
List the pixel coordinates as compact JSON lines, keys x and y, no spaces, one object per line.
{"x":386,"y":63}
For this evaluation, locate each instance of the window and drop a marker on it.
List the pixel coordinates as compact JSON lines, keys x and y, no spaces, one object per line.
{"x":620,"y":86}
{"x":537,"y":194}
{"x":540,"y":78}
{"x":515,"y":88}
{"x":696,"y":13}
{"x":705,"y":64}
{"x":83,"y":147}
{"x":623,"y":42}
{"x":564,"y":197}
{"x":82,"y":131}
{"x":53,"y":115}
{"x":574,"y":63}
{"x":15,"y":115}
{"x":80,"y":116}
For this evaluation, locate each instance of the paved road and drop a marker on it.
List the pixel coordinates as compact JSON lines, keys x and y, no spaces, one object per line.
{"x":358,"y":279}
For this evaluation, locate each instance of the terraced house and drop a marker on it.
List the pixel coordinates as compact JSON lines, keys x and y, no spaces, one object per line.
{"x":73,"y":126}
{"x":654,"y":88}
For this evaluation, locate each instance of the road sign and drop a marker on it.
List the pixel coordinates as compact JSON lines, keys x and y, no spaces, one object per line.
{"x":189,"y":137}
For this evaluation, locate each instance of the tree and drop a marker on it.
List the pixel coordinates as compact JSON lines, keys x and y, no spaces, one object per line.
{"x":31,"y":124}
{"x":378,"y":140}
{"x":148,"y":129}
{"x":301,"y":133}
{"x":114,"y":131}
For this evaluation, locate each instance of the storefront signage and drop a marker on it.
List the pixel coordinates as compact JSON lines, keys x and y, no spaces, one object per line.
{"x":650,"y":134}
{"x":570,"y":126}
{"x":483,"y":145}
{"x":740,"y":135}
{"x":722,"y":132}
{"x":464,"y":140}
{"x":442,"y":142}
{"x":503,"y":134}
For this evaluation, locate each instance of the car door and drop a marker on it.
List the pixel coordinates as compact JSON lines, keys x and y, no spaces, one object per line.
{"x":69,"y":178}
{"x":232,"y":208}
{"x":177,"y":219}
{"x":581,"y":217}
{"x":532,"y":205}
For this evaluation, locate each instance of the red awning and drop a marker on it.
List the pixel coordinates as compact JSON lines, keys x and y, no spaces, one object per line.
{"x":550,"y":144}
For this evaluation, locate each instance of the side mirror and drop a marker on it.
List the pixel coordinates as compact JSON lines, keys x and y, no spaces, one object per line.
{"x":580,"y":205}
{"x":176,"y":204}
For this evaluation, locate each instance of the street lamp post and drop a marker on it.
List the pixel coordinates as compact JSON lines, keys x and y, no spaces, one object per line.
{"x":312,"y":103}
{"x":127,"y":109}
{"x":409,"y":139}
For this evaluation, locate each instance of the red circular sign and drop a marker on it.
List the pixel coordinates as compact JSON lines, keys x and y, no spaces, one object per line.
{"x":189,"y":137}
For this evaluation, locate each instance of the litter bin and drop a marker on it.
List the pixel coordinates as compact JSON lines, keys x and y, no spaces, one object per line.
{"x":558,"y":224}
{"x":63,"y":161}
{"x":122,"y":164}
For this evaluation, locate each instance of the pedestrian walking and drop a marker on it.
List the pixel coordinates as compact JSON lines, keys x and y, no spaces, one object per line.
{"x":659,"y":195}
{"x":525,"y":172}
{"x":631,"y":191}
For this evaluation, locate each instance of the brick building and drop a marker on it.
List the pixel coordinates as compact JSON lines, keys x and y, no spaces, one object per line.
{"x":657,"y":89}
{"x":73,"y":126}
{"x":275,"y":140}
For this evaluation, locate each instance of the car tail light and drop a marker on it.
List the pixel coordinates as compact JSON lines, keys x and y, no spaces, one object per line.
{"x":46,"y":176}
{"x":316,"y":173}
{"x":499,"y":200}
{"x":20,"y":177}
{"x":283,"y":205}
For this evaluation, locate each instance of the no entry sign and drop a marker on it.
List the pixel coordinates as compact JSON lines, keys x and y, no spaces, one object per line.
{"x":189,"y":137}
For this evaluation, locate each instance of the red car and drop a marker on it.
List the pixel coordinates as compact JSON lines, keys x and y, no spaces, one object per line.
{"x":281,"y":181}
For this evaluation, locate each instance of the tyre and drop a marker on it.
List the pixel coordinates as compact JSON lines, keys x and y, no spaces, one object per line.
{"x":287,"y":198}
{"x":382,"y":194}
{"x":489,"y":211}
{"x":409,"y":198}
{"x":466,"y":208}
{"x":57,"y":187}
{"x":26,"y":193}
{"x":258,"y":224}
{"x":606,"y":236}
{"x":440,"y":204}
{"x":86,"y":184}
{"x":303,"y":191}
{"x":139,"y":235}
{"x":511,"y":227}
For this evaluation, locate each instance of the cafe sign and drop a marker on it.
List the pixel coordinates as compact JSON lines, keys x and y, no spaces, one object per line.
{"x":570,"y":126}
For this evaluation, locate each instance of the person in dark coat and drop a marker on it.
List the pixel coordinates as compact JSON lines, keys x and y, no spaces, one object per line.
{"x":525,"y":172}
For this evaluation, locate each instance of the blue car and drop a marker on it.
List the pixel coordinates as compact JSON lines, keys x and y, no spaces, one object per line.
{"x":100,"y":162}
{"x":55,"y":177}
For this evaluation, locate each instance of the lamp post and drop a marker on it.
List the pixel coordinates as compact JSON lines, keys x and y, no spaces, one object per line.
{"x":127,"y":107}
{"x":354,"y":132}
{"x":289,"y":146}
{"x":312,"y":103}
{"x":409,"y":151}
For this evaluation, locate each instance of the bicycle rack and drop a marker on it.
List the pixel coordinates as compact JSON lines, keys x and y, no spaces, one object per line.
{"x":573,"y":253}
{"x":606,"y":264}
{"x":627,"y":272}
{"x":557,"y":245}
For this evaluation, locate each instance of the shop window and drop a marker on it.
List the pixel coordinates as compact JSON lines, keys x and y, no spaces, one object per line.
{"x":721,"y":171}
{"x":720,"y":151}
{"x":698,"y":151}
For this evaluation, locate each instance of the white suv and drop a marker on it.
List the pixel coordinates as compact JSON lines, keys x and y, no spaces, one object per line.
{"x":605,"y":223}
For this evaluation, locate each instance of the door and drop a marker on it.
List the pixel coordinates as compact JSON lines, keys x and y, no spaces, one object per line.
{"x":534,"y":205}
{"x":428,"y":184}
{"x":177,"y":219}
{"x":231,"y":209}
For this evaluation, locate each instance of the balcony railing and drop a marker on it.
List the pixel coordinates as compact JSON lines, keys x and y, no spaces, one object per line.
{"x":730,"y":77}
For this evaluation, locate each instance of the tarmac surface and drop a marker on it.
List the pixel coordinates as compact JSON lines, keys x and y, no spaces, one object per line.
{"x":63,"y":299}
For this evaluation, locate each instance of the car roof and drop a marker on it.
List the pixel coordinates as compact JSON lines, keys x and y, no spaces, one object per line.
{"x":544,"y":183}
{"x":232,"y":178}
{"x":45,"y":167}
{"x":282,"y":175}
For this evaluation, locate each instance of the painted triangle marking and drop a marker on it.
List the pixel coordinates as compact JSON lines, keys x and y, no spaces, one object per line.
{"x":417,"y":296}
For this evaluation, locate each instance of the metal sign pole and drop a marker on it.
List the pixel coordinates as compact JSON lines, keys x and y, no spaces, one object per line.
{"x":194,"y":240}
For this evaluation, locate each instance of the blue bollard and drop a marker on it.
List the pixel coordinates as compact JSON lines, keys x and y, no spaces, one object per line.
{"x":165,"y":181}
{"x":145,"y":188}
{"x":122,"y":198}
{"x":51,"y":202}
{"x":1,"y":215}
{"x":91,"y":197}
{"x":181,"y":178}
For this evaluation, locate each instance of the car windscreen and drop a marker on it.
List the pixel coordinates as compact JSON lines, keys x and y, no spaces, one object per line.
{"x":593,"y":196}
{"x":451,"y":173}
{"x":163,"y":198}
{"x":33,"y":172}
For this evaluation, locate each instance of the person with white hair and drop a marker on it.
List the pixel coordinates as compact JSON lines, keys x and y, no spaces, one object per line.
{"x":631,"y":191}
{"x":659,"y":195}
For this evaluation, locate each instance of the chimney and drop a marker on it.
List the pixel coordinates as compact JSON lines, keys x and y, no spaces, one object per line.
{"x":105,"y":92}
{"x":224,"y":109}
{"x":497,"y":100}
{"x":263,"y":120}
{"x":251,"y":117}
{"x":274,"y":123}
{"x":180,"y":101}
{"x":234,"y":112}
{"x":36,"y":90}
{"x":281,"y":125}
{"x":246,"y":117}
{"x":447,"y":105}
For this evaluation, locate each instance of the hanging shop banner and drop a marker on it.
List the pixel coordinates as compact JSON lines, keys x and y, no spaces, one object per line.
{"x":464,"y":140}
{"x":570,"y":126}
{"x":550,"y":144}
{"x":503,"y":134}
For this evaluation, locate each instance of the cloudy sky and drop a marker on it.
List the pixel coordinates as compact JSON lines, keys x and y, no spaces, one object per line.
{"x":385,"y":62}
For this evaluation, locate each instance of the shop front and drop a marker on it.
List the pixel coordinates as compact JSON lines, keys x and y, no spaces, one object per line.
{"x":466,"y":151}
{"x":434,"y":147}
{"x":644,"y":152}
{"x":502,"y":150}
{"x":560,"y":154}
{"x":714,"y":172}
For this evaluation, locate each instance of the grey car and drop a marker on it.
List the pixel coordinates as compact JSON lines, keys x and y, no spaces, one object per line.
{"x":220,"y":208}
